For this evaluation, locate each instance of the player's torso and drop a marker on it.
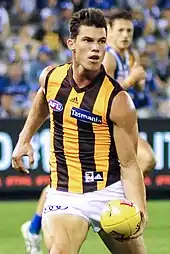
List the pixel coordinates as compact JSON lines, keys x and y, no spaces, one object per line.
{"x":123,"y":64}
{"x":83,"y":156}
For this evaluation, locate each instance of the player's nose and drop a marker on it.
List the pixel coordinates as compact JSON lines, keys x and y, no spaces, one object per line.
{"x":95,"y":47}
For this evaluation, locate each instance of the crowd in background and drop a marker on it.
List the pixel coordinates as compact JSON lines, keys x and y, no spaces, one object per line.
{"x":33,"y":34}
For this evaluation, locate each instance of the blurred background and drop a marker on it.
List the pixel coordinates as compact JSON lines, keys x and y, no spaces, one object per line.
{"x":33,"y":35}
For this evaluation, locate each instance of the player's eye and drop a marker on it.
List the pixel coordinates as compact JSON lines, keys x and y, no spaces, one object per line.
{"x":102,"y":41}
{"x":87,"y":40}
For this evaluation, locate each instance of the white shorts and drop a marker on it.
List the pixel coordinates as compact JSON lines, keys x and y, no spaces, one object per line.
{"x":87,"y":205}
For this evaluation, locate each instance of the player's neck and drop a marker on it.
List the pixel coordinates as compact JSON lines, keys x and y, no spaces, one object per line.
{"x":83,"y":77}
{"x":121,"y":52}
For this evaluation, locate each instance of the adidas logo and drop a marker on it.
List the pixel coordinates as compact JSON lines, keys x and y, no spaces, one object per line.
{"x":75,"y":100}
{"x":98,"y":177}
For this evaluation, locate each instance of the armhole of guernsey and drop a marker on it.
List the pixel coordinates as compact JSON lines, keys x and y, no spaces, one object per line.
{"x":116,"y":90}
{"x":47,"y":78}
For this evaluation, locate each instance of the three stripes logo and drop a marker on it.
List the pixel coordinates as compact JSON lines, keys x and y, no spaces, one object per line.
{"x":75,"y":100}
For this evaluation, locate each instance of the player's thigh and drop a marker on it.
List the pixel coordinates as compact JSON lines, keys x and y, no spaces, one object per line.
{"x":41,"y":201}
{"x":133,"y":246}
{"x":65,"y":230}
{"x":48,"y":240}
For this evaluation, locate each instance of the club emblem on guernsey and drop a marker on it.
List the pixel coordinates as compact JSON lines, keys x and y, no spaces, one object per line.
{"x":85,"y":116}
{"x":55,"y":105}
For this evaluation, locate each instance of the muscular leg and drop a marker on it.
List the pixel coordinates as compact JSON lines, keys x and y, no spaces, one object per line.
{"x":35,"y":225}
{"x":64,"y":233}
{"x":134,"y":246}
{"x":145,"y":156}
{"x":41,"y":201}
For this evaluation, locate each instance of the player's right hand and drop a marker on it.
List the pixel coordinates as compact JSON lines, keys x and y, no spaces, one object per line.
{"x":144,"y":222}
{"x":22,"y":149}
{"x":137,"y":73}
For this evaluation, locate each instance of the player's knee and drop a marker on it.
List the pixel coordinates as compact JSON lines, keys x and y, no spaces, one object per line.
{"x":146,"y":160}
{"x":150,"y":162}
{"x":58,"y":249}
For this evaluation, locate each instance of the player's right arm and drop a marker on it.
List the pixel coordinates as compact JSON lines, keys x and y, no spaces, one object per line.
{"x":109,"y":63}
{"x":123,"y":115}
{"x":137,"y":72}
{"x":37,"y":116}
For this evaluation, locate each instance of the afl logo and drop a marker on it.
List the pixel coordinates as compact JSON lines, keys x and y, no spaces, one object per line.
{"x":55,"y":105}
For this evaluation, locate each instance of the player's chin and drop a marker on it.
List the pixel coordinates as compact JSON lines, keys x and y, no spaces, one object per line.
{"x":124,"y":45}
{"x":93,"y":66}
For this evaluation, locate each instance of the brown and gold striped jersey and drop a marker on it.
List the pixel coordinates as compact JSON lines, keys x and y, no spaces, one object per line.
{"x":83,"y":155}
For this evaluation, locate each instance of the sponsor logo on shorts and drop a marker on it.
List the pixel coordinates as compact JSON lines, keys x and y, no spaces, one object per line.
{"x":54,"y":208}
{"x":85,"y":116}
{"x":55,"y":105}
{"x":92,"y":176}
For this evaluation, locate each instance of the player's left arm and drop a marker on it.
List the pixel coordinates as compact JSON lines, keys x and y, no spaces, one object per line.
{"x":136,"y":56}
{"x":123,"y":115}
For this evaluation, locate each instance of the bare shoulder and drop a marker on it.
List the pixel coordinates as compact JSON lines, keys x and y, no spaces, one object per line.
{"x":109,"y":63}
{"x":44,"y":74}
{"x":123,"y":110}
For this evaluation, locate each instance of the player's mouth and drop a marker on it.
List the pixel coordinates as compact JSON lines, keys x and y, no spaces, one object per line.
{"x":94,"y":58}
{"x":125,"y":41}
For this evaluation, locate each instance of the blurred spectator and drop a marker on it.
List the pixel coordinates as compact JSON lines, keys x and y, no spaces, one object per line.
{"x":6,"y":4}
{"x":163,"y":61}
{"x":79,"y":4}
{"x":41,"y":4}
{"x":131,"y":4}
{"x":166,"y":18}
{"x":44,"y":58}
{"x":22,"y":13}
{"x":24,"y":46}
{"x":151,"y":46}
{"x":4,"y":24}
{"x":7,"y":106}
{"x":65,"y":15}
{"x":139,"y":22}
{"x":152,"y":9}
{"x":47,"y":33}
{"x":163,"y":4}
{"x":14,"y":84}
{"x":102,"y":4}
{"x":51,"y":8}
{"x":28,"y":105}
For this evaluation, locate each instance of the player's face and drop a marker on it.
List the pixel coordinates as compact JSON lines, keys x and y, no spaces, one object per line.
{"x":89,"y":47}
{"x":121,"y":33}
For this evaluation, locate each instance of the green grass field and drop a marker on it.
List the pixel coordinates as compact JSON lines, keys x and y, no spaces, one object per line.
{"x":13,"y":214}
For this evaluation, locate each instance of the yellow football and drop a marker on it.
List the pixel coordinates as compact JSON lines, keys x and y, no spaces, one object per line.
{"x":121,"y":217}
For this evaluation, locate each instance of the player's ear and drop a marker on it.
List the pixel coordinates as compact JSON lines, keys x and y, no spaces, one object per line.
{"x":71,"y":44}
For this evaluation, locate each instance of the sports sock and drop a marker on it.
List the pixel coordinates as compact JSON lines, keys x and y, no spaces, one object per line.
{"x":35,"y":225}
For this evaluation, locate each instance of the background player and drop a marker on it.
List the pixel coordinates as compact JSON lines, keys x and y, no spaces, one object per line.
{"x":122,"y":63}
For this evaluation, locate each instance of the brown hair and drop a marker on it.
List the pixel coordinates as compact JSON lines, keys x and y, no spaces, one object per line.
{"x":121,"y":14}
{"x":87,"y":17}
